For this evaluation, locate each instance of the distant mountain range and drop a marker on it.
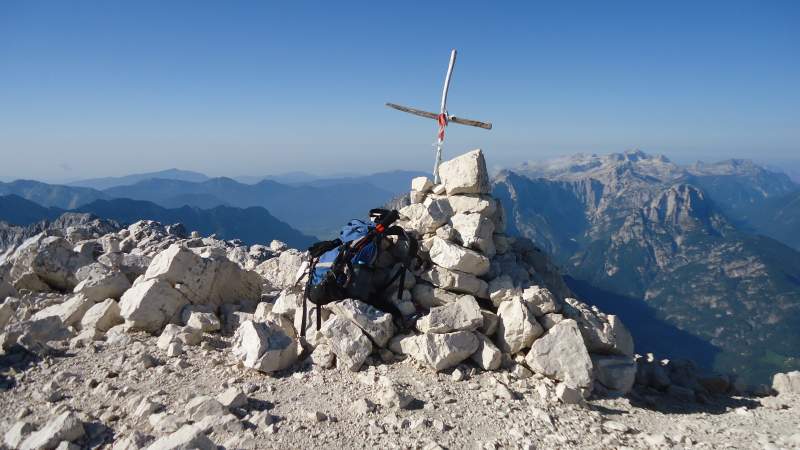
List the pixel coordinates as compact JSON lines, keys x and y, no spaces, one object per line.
{"x":698,"y":244}
{"x":251,"y":225}
{"x":66,"y":197}
{"x":317,"y":207}
{"x":170,"y":174}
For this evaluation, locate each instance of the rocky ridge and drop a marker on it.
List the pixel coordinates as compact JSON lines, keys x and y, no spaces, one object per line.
{"x":152,"y":337}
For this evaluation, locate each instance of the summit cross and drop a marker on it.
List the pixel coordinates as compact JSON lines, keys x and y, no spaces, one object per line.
{"x":443,"y":118}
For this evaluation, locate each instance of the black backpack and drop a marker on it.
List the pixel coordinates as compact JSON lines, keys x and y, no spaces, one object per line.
{"x":345,"y":267}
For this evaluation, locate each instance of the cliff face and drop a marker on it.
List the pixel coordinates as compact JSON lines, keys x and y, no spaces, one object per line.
{"x":640,"y":226}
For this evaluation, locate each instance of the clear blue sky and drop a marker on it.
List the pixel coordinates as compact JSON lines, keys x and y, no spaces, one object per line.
{"x":92,"y":88}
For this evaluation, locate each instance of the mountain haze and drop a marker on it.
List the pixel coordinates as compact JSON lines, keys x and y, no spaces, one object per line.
{"x":109,"y":182}
{"x":251,"y":225}
{"x":316,"y":210}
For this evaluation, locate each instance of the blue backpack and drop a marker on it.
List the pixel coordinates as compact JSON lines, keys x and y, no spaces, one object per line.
{"x":343,"y":268}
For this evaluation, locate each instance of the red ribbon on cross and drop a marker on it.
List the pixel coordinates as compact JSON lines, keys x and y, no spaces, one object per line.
{"x":442,"y":119}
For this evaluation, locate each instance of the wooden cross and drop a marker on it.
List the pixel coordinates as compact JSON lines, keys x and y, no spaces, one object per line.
{"x":443,"y":117}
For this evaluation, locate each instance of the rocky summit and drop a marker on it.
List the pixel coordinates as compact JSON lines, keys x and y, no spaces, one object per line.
{"x":152,"y":337}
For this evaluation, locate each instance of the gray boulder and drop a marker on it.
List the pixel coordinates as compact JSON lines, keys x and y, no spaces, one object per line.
{"x":281,"y":272}
{"x":205,"y":281}
{"x":50,"y":259}
{"x":34,"y":334}
{"x":347,"y":342}
{"x":188,"y":437}
{"x":374,"y":322}
{"x":457,"y":258}
{"x":102,"y":316}
{"x":427,"y":216}
{"x":475,"y":231}
{"x":786,"y":383}
{"x":151,"y":304}
{"x":604,"y":334}
{"x":463,"y":314}
{"x":517,"y":328}
{"x":440,"y":351}
{"x":70,"y":311}
{"x":454,"y":281}
{"x":264,"y":346}
{"x":561,"y":354}
{"x":64,"y":427}
{"x":465,"y":174}
{"x":540,"y":301}
{"x":487,"y":356}
{"x":102,"y":283}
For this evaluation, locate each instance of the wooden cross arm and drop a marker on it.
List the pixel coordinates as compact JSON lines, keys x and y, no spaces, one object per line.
{"x":430,"y":115}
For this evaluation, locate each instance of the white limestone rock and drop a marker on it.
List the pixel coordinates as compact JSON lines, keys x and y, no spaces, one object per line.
{"x":457,"y":258}
{"x":34,"y":334}
{"x":786,"y":383}
{"x":323,"y":356}
{"x":17,"y":433}
{"x":487,"y":356}
{"x":264,"y":346}
{"x":347,"y":342}
{"x":540,"y":301}
{"x":233,"y":397}
{"x":102,"y":284}
{"x":47,"y":262}
{"x":502,"y":289}
{"x":604,"y":334}
{"x":64,"y":427}
{"x":186,"y":438}
{"x":205,"y":321}
{"x":415,"y":197}
{"x":151,"y":304}
{"x":483,"y":205}
{"x":463,"y":314}
{"x":102,"y":316}
{"x":569,"y":395}
{"x":374,"y":322}
{"x":421,"y":184}
{"x":427,"y":216}
{"x":440,"y":351}
{"x":465,"y":174}
{"x":454,"y":281}
{"x":71,"y":311}
{"x":186,"y":335}
{"x":561,"y":354}
{"x":288,"y":302}
{"x":550,"y":320}
{"x":205,"y":281}
{"x":517,"y":328}
{"x":475,"y":231}
{"x":281,"y":272}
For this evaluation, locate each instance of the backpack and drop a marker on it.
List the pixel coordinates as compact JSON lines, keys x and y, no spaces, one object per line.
{"x":344,"y":267}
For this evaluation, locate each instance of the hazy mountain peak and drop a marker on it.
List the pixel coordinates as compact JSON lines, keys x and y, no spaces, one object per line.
{"x":603,"y":167}
{"x":169,"y":174}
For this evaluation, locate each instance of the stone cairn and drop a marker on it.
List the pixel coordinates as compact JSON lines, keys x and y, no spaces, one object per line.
{"x":488,"y":299}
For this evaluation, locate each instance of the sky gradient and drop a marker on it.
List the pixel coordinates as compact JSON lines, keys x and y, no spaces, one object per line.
{"x":96,"y":88}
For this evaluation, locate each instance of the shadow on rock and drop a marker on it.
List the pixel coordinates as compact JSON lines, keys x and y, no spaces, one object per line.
{"x":16,"y":360}
{"x":666,"y":404}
